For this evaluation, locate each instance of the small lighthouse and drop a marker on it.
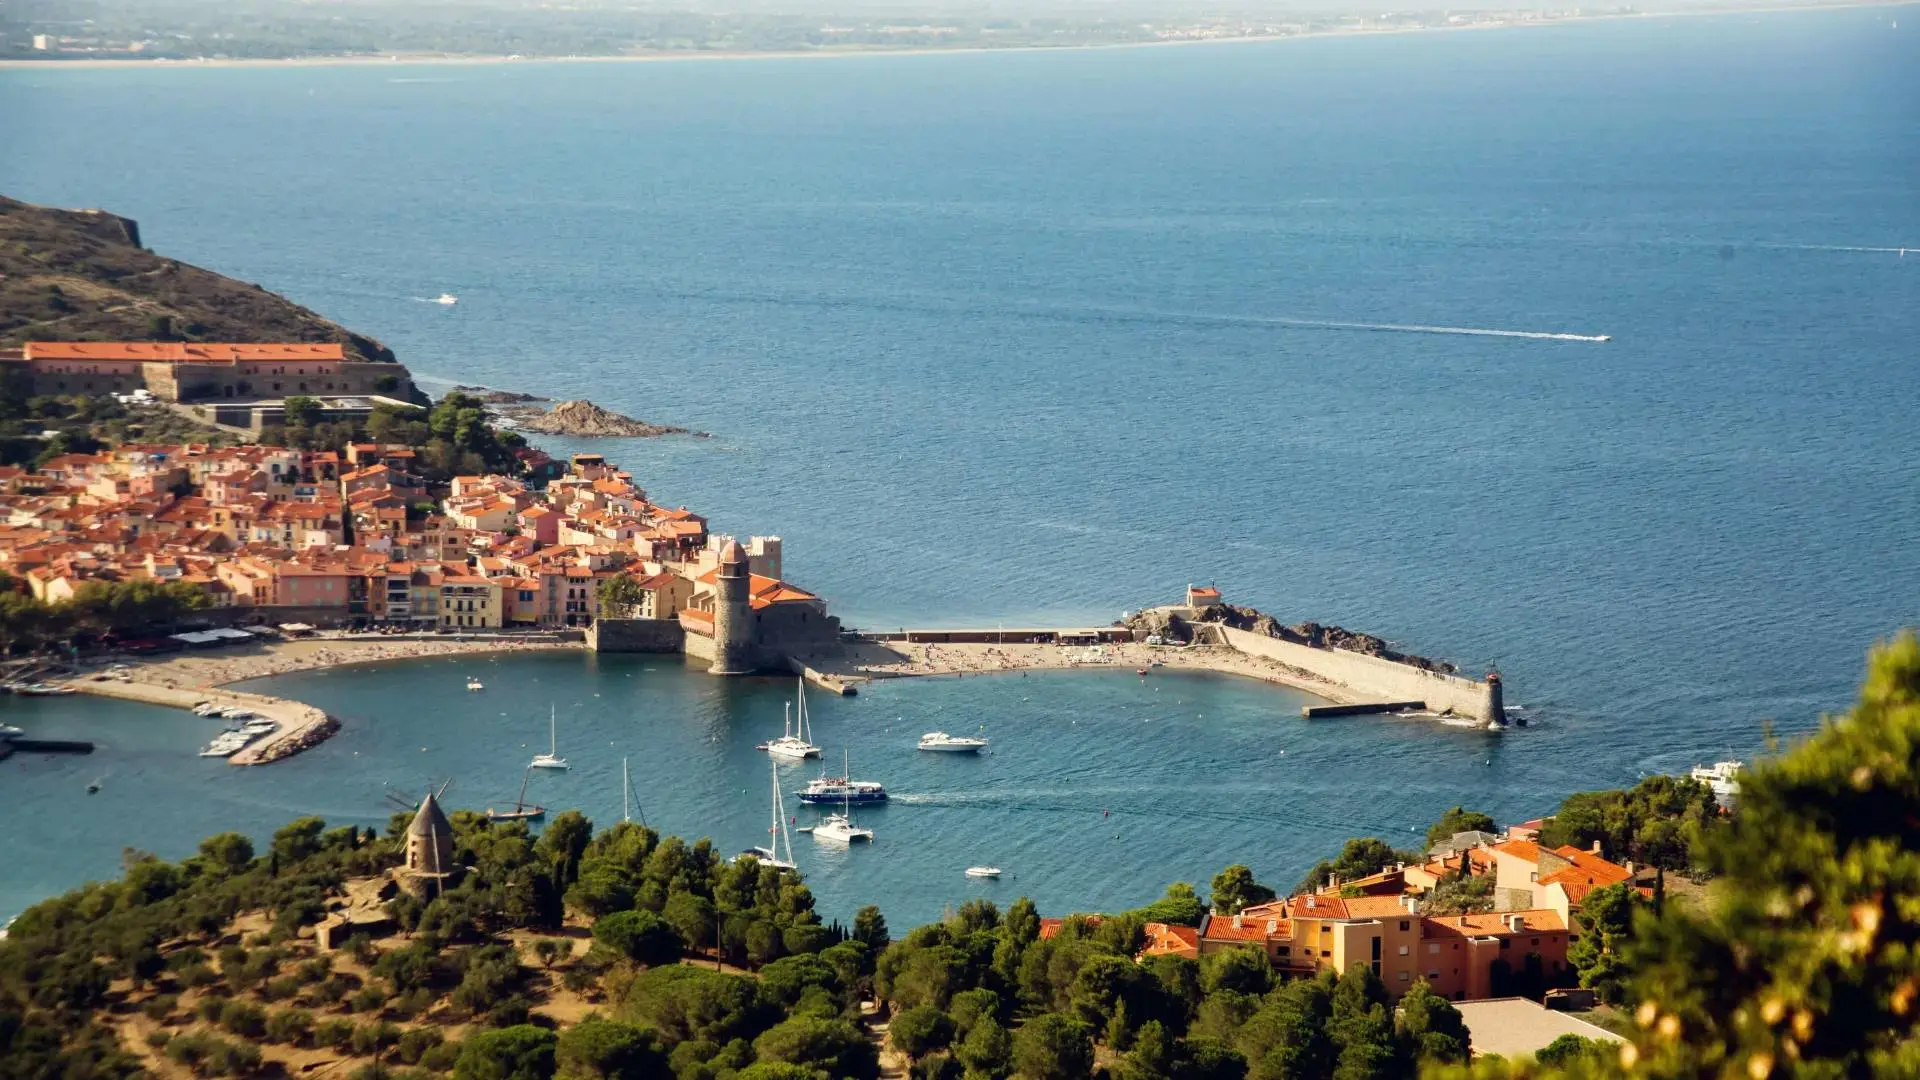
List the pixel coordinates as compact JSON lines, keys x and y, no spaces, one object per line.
{"x":1494,"y":711}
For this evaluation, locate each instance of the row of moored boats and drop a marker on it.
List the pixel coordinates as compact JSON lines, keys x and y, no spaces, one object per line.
{"x":246,"y":728}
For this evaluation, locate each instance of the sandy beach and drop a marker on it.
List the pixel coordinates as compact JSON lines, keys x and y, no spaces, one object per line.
{"x":206,"y":670}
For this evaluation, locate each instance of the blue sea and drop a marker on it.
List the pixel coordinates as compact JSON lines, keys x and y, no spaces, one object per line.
{"x":1044,"y":337}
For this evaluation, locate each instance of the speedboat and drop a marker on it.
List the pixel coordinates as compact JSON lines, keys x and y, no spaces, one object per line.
{"x":227,"y":744}
{"x":8,"y":731}
{"x":840,"y":827}
{"x":983,"y":871}
{"x":475,"y":684}
{"x":446,"y":298}
{"x":944,"y":743}
{"x":261,"y":726}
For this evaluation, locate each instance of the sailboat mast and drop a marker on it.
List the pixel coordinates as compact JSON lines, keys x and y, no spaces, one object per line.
{"x":553,"y":731}
{"x":520,"y":803}
{"x":625,"y":811}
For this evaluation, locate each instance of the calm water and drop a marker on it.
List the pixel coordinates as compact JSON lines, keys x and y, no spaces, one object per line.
{"x":1007,"y":337}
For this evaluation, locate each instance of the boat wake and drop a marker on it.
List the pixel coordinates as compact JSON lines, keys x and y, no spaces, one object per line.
{"x":1415,"y":328}
{"x":1900,"y":251}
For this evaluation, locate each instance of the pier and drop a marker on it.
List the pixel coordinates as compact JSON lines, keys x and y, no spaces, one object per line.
{"x":301,"y":725}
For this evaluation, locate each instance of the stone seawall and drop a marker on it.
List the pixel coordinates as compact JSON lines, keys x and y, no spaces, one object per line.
{"x":301,"y":725}
{"x":636,"y":636}
{"x":1367,"y":677}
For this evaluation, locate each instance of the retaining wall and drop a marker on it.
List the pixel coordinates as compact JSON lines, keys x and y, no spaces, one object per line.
{"x":636,"y":636}
{"x":1368,"y":676}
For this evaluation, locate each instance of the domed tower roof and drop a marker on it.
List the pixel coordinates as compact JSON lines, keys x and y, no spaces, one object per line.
{"x":430,"y":821}
{"x":733,"y":554}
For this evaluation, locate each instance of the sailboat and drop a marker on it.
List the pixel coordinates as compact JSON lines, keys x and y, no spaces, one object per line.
{"x":796,"y":744}
{"x":522,"y":810}
{"x":626,"y":797}
{"x":551,"y":759}
{"x":840,"y":826}
{"x":777,"y":836}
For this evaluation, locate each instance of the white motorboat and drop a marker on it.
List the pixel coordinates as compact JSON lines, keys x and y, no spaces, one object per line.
{"x":983,"y":871}
{"x":447,"y":299}
{"x":840,"y":827}
{"x":227,"y":744}
{"x":795,"y":743}
{"x":777,"y":836}
{"x":206,"y":708}
{"x":1723,"y":778}
{"x":8,"y":731}
{"x":551,"y":759}
{"x":475,"y":684}
{"x":941,"y":742}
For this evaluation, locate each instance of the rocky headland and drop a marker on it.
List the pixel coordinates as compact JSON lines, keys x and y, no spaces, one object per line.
{"x":1171,"y":624}
{"x":585,"y":419}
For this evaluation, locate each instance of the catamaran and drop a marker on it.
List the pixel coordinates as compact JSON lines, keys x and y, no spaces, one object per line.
{"x":522,"y":809}
{"x":795,"y":743}
{"x":840,"y":827}
{"x":777,"y":837}
{"x":551,"y":759}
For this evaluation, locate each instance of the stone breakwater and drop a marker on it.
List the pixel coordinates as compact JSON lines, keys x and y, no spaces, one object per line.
{"x":300,"y":725}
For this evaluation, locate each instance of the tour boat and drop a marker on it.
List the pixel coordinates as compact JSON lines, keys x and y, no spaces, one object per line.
{"x":446,"y":298}
{"x":944,"y":743}
{"x":983,"y":871}
{"x":777,"y":836}
{"x":551,"y":759}
{"x":522,"y":810}
{"x":795,"y":744}
{"x":475,"y":684}
{"x":842,"y":789}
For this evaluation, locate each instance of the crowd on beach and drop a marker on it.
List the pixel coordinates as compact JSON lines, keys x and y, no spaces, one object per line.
{"x":217,"y":669}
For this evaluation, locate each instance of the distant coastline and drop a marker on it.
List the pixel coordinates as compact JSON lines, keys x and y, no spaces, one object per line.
{"x":453,"y":59}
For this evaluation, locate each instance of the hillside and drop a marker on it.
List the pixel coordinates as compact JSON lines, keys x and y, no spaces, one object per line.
{"x":79,"y":275}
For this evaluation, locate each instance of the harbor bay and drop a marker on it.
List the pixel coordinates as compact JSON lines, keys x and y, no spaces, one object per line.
{"x":1086,"y":796}
{"x":975,"y":364}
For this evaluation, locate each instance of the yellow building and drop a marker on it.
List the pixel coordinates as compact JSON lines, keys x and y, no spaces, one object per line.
{"x":470,"y":602}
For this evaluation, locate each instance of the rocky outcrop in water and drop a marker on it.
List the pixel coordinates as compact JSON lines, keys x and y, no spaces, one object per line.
{"x":585,"y":419}
{"x":1168,"y":623}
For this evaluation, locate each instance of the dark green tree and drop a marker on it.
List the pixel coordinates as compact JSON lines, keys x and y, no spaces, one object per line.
{"x":920,"y":1031}
{"x":1235,"y":890}
{"x":522,"y":1052}
{"x":1459,"y":820}
{"x":639,"y":936}
{"x":1431,"y":1029}
{"x":601,"y":1049}
{"x":1053,"y":1047}
{"x":1604,"y":924}
{"x":835,"y":1047}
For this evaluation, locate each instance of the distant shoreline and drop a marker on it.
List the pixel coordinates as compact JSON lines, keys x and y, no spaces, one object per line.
{"x":445,"y":59}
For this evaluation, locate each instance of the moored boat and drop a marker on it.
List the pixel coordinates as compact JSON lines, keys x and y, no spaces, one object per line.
{"x":941,"y":742}
{"x":983,"y":871}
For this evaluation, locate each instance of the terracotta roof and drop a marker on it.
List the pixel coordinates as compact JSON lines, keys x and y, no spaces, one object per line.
{"x":182,"y":352}
{"x":1493,"y":924}
{"x":1520,"y":849}
{"x":1168,"y":939}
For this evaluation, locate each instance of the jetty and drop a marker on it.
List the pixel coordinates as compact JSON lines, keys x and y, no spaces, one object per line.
{"x":300,"y":725}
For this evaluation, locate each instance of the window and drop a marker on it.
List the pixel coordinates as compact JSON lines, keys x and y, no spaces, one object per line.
{"x":1405,"y":925}
{"x":1505,"y":943}
{"x":1536,"y":941}
{"x":1403,"y":950}
{"x":1376,"y":950}
{"x":1285,"y":950}
{"x":1324,"y":952}
{"x":1433,"y":948}
{"x":1432,"y":975}
{"x":1404,"y":978}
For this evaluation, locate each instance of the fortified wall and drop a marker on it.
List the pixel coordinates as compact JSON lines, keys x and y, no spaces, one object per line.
{"x":1362,"y":667}
{"x":196,"y":371}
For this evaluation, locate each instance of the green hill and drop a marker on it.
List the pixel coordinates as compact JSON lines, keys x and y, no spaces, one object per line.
{"x":81,"y":275}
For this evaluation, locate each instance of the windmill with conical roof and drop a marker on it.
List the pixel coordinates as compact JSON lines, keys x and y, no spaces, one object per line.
{"x":429,"y":852}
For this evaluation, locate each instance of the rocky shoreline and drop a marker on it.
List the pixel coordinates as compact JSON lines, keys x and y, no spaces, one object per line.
{"x":1175,"y":627}
{"x":580,"y":418}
